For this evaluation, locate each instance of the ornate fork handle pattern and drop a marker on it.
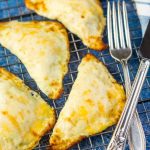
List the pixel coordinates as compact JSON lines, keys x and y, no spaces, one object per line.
{"x":118,"y":141}
{"x":126,"y":117}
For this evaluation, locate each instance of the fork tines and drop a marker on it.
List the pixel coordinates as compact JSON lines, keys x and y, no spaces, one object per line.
{"x":118,"y":26}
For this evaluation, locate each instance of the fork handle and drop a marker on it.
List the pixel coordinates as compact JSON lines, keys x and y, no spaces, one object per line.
{"x":126,"y":76}
{"x":120,"y":133}
{"x":136,"y":136}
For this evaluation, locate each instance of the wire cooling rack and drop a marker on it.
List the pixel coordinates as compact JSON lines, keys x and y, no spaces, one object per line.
{"x":16,"y":10}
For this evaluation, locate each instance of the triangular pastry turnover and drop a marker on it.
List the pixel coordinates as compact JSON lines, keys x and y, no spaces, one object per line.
{"x":82,"y":17}
{"x":95,"y":103}
{"x":24,"y":115}
{"x":43,"y":48}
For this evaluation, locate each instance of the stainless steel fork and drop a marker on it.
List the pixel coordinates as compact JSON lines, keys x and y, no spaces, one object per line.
{"x":121,"y":50}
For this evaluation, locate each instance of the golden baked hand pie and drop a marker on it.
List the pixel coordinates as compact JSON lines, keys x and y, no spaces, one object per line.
{"x":24,"y":116}
{"x":82,"y":17}
{"x":43,"y":47}
{"x":95,"y":103}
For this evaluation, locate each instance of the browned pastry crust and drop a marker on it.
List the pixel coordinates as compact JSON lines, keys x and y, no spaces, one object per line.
{"x":94,"y":104}
{"x":39,"y":37}
{"x":89,"y":24}
{"x":32,"y":133}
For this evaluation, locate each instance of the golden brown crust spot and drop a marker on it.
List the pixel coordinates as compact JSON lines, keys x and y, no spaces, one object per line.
{"x":90,"y":102}
{"x":101,"y":108}
{"x":56,"y":95}
{"x":95,"y":43}
{"x":110,"y":95}
{"x":38,"y":5}
{"x":54,"y":83}
{"x":34,"y":133}
{"x":90,"y":57}
{"x":63,"y":144}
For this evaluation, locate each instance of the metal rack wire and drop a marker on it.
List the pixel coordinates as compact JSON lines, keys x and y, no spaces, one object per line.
{"x":16,"y":10}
